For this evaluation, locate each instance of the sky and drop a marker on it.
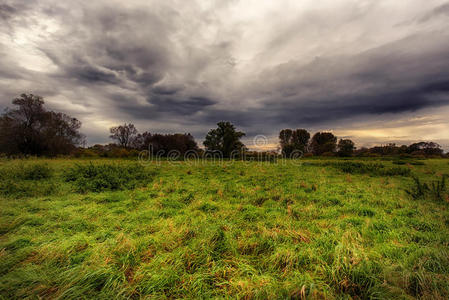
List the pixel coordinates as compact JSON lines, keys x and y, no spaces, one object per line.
{"x":373,"y":71}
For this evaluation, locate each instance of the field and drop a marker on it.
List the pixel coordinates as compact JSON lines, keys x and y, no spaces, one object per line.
{"x":316,"y":228}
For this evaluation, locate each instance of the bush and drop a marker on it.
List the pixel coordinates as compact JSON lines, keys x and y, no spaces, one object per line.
{"x":97,"y":178}
{"x":436,"y":190}
{"x":36,"y":172}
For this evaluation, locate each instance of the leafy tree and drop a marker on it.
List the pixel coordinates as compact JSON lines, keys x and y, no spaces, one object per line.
{"x":164,"y":143}
{"x":31,"y":129}
{"x":224,"y":139}
{"x":285,"y":141}
{"x":285,"y":136}
{"x":292,"y":140}
{"x":124,"y":134}
{"x":345,"y":147}
{"x":388,"y":149}
{"x":425,"y":148}
{"x":61,"y":133}
{"x":323,"y":142}
{"x":301,"y":139}
{"x":421,"y":148}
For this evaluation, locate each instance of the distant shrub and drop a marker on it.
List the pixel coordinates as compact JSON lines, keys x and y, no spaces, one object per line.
{"x":97,"y":178}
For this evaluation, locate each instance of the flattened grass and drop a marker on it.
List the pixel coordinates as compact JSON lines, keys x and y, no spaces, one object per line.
{"x":239,"y":229}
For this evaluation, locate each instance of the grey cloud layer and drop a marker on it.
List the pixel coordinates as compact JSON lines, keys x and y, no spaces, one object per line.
{"x":185,"y":66}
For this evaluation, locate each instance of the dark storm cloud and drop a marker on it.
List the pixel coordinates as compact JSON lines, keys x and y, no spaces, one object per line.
{"x":437,"y":87}
{"x":112,"y":44}
{"x":179,"y":106}
{"x":166,"y":90}
{"x":12,"y":9}
{"x":350,"y":106}
{"x":188,"y":64}
{"x":94,"y":75}
{"x":6,"y":11}
{"x":394,"y":78}
{"x":163,"y":106}
{"x":442,"y":10}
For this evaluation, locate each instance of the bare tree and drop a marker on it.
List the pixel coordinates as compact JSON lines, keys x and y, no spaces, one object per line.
{"x":124,"y":134}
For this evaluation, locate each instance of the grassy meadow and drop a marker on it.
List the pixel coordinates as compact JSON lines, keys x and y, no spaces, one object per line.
{"x":296,"y":229}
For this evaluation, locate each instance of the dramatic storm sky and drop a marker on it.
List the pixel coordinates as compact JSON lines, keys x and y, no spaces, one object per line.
{"x":375,"y":71}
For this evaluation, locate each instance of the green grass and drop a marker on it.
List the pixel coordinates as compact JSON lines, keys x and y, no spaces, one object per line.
{"x":335,"y":229}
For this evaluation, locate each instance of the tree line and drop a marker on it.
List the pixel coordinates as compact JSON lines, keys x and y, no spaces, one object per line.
{"x":225,"y":139}
{"x":325,"y":144}
{"x":31,"y":129}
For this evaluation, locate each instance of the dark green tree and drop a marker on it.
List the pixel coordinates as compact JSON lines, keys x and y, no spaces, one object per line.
{"x":285,"y":140}
{"x":292,"y":140}
{"x":425,"y":148}
{"x":225,"y":138}
{"x":323,"y":142}
{"x":345,"y":147}
{"x":164,"y":143}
